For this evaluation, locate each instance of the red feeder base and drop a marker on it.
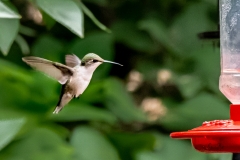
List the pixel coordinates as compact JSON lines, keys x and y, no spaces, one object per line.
{"x":217,"y":135}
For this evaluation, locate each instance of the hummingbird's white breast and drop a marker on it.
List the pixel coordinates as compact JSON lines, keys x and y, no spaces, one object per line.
{"x":80,"y":80}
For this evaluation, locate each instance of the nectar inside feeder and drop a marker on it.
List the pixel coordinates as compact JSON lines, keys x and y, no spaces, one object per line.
{"x":223,"y":135}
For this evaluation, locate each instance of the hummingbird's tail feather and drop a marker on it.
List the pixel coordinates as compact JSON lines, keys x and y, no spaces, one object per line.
{"x":64,"y":99}
{"x":57,"y":109}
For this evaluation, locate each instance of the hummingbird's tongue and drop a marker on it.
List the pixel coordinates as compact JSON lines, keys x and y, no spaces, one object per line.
{"x":113,"y":62}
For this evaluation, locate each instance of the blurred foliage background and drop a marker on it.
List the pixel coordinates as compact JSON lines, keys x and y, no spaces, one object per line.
{"x":169,"y":81}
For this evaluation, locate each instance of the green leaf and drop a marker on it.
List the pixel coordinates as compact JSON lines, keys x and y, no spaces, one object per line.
{"x":157,"y":30}
{"x":8,"y":32}
{"x":23,"y":44}
{"x":193,"y":112}
{"x":220,"y":156}
{"x":148,"y":155}
{"x":95,"y":88}
{"x":138,"y":40}
{"x":13,"y":81}
{"x":208,"y":69}
{"x":120,"y":102}
{"x":167,"y":148}
{"x":90,"y":144}
{"x":27,"y":31}
{"x":42,"y":93}
{"x":81,"y":111}
{"x":9,"y":70}
{"x":25,"y":89}
{"x":47,"y":47}
{"x":38,"y":145}
{"x":92,"y":17}
{"x":48,"y":21}
{"x":183,"y":32}
{"x":189,"y":85}
{"x":6,"y":12}
{"x":9,"y":128}
{"x":128,"y":144}
{"x":65,"y":12}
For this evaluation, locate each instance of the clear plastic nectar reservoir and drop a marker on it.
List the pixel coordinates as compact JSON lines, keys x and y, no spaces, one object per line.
{"x":229,"y":83}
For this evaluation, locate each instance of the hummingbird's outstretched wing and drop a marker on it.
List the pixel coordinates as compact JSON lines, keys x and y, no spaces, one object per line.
{"x":55,"y":70}
{"x":72,"y":60}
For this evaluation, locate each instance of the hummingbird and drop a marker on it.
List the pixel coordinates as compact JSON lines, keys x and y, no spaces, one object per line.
{"x":74,"y":77}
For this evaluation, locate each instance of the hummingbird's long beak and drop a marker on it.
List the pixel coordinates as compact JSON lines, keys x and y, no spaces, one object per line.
{"x":113,"y":62}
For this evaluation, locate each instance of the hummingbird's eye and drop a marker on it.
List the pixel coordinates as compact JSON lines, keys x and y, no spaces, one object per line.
{"x":94,"y":61}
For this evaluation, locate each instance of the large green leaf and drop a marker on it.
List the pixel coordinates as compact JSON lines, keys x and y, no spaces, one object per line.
{"x":189,"y":84}
{"x":47,"y":47}
{"x":92,"y":17}
{"x":220,"y":156}
{"x":81,"y":111}
{"x":21,"y":89}
{"x":13,"y":82}
{"x":207,"y":64}
{"x":168,"y":149}
{"x":38,"y":145}
{"x":8,"y":32}
{"x":193,"y":112}
{"x":27,"y":31}
{"x":94,"y":92}
{"x":183,"y":32}
{"x":128,"y":144}
{"x":90,"y":144}
{"x":48,"y":20}
{"x":157,"y":30}
{"x":23,"y":44}
{"x":65,"y":12}
{"x":9,"y":22}
{"x":6,"y":12}
{"x":128,"y":33}
{"x":9,"y":128}
{"x":120,"y":102}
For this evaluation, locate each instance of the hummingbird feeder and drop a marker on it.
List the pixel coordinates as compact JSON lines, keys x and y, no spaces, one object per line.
{"x":223,"y":135}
